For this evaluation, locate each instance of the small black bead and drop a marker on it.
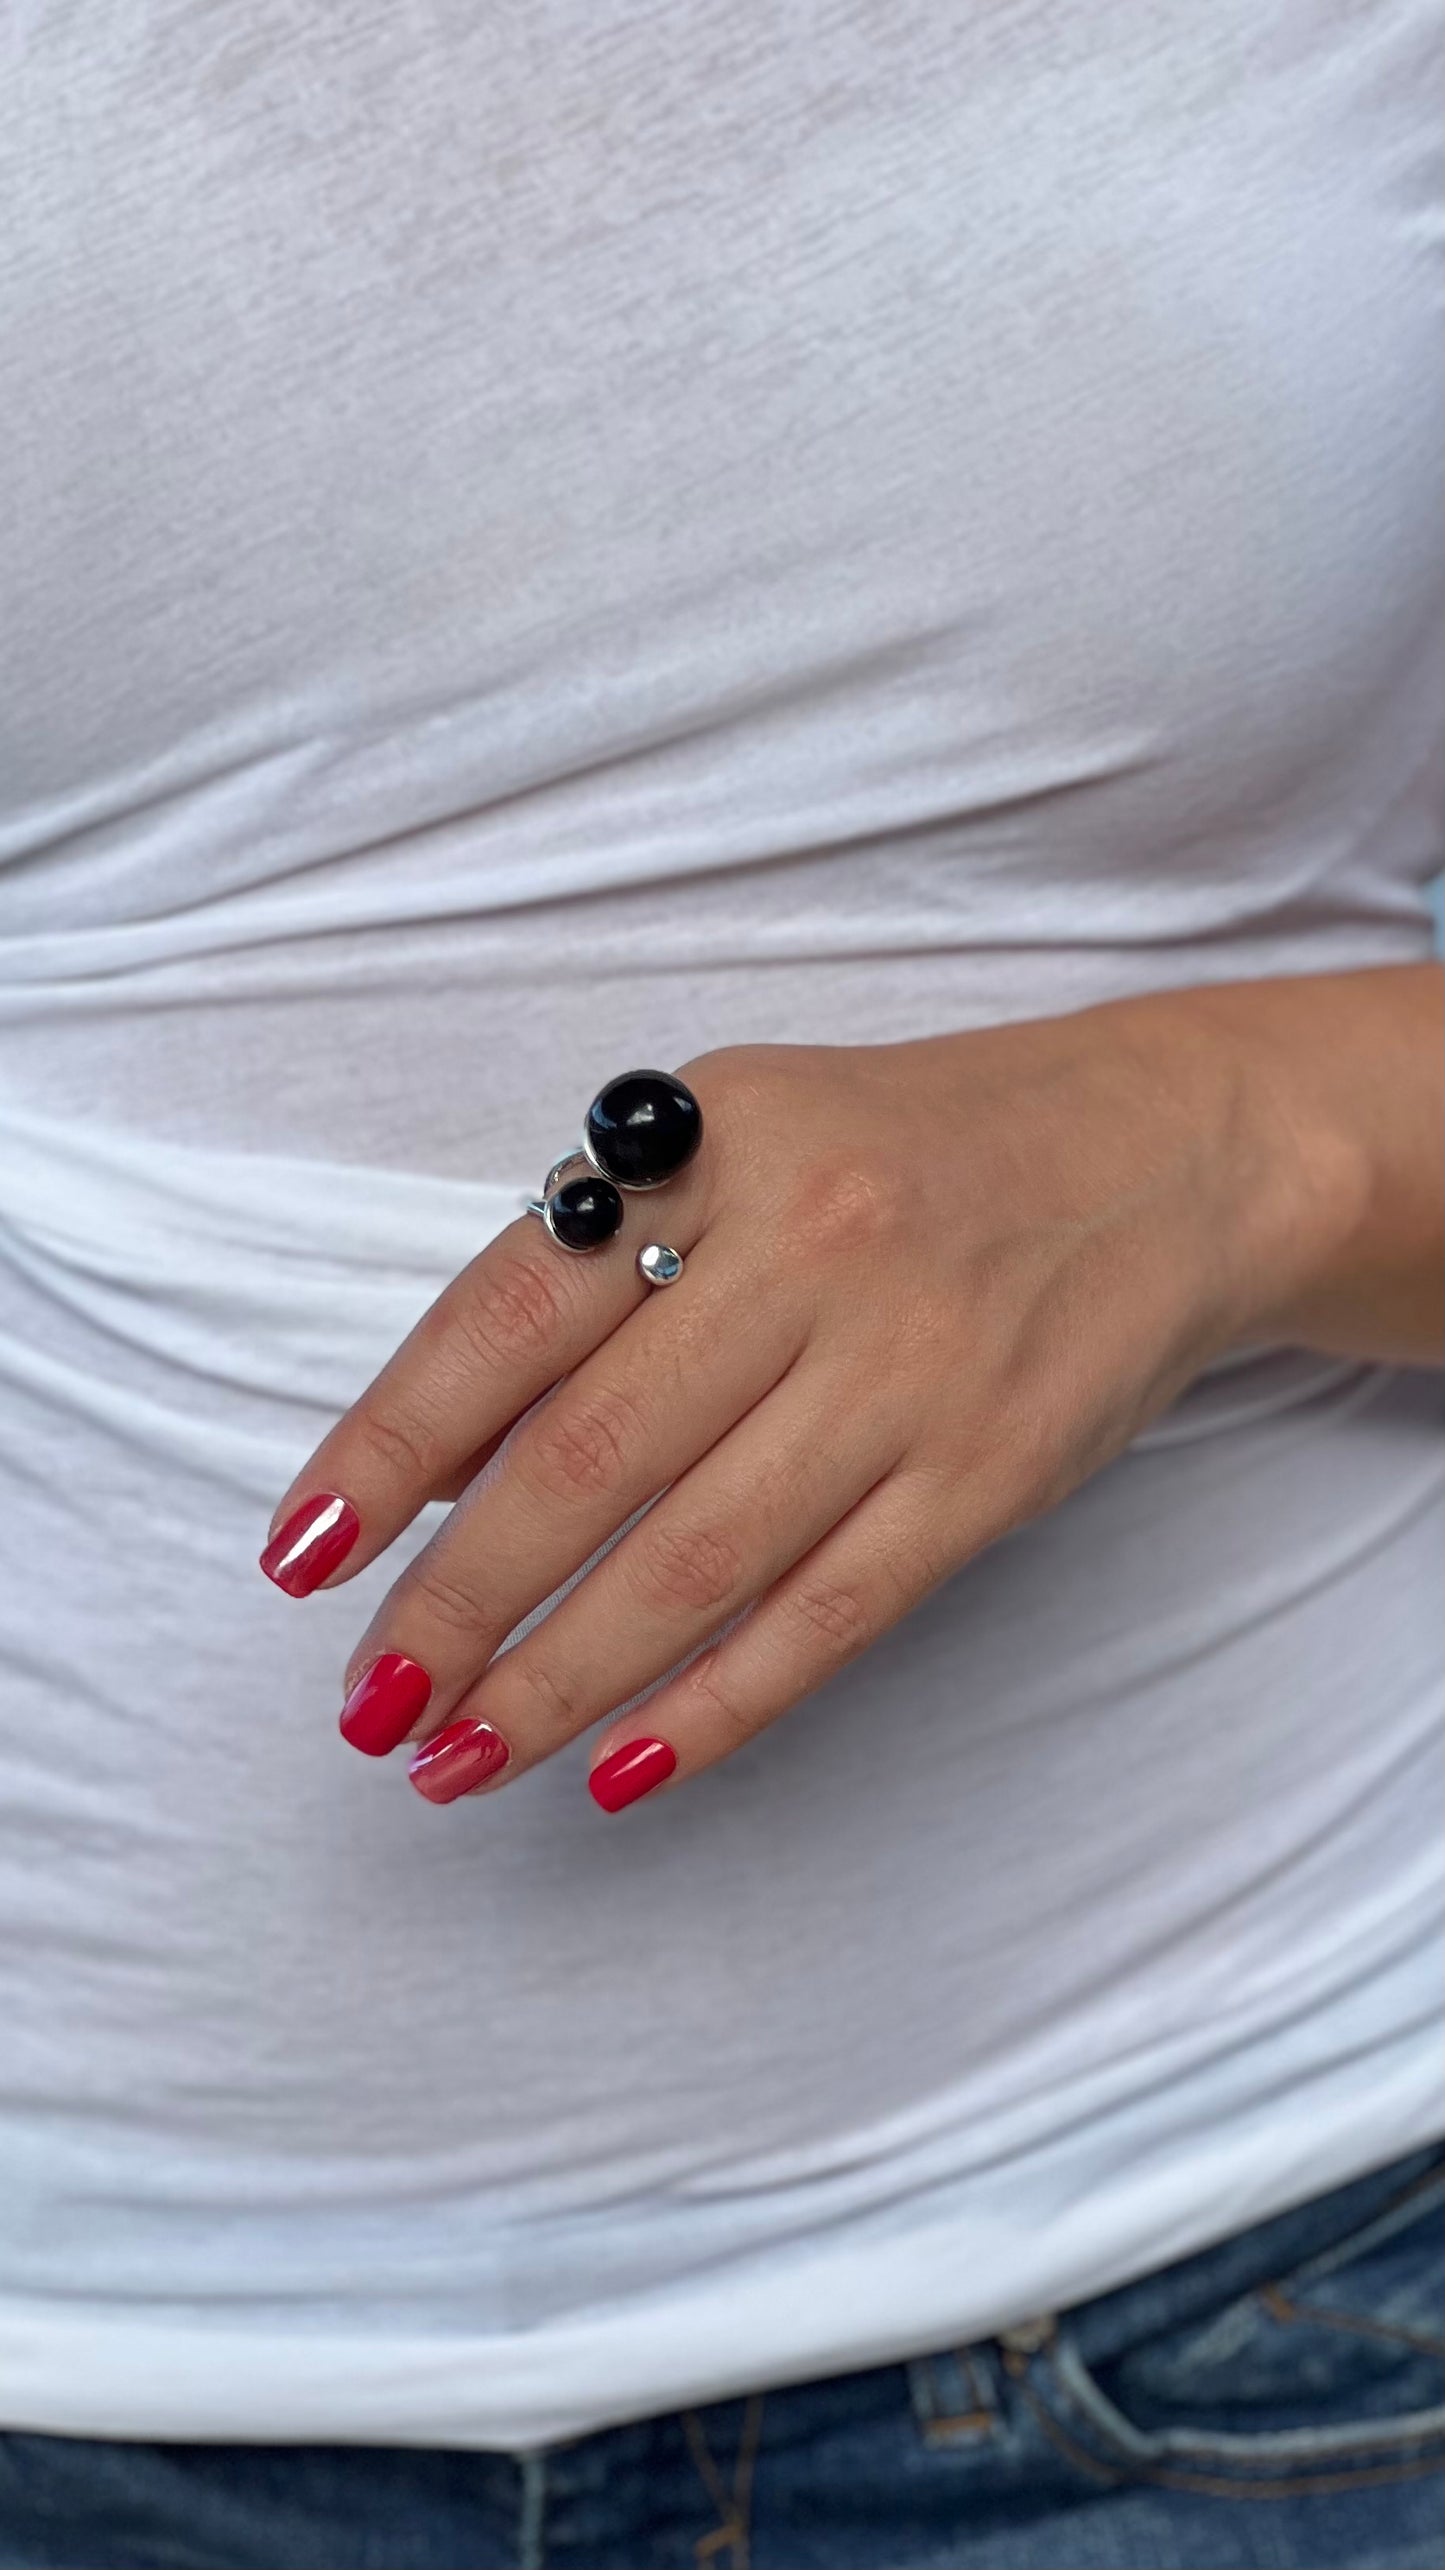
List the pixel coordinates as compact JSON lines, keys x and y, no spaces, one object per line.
{"x":643,"y":1128}
{"x":585,"y":1212}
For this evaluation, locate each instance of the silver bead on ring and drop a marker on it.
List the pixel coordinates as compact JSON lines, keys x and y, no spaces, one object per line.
{"x":657,"y":1264}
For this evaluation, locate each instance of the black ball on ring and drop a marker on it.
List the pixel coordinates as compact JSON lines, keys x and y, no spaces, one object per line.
{"x":643,"y":1127}
{"x":584,"y":1212}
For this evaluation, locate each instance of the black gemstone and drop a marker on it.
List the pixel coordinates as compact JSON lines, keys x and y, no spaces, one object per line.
{"x":643,"y":1128}
{"x":585,"y":1212}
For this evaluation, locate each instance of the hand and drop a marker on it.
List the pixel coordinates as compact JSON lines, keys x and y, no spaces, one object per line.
{"x":929,"y":1288}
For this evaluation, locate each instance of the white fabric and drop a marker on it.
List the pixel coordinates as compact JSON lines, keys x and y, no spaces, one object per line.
{"x":539,"y":540}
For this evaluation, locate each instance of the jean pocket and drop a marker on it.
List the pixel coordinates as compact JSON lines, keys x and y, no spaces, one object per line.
{"x":1325,"y":2376}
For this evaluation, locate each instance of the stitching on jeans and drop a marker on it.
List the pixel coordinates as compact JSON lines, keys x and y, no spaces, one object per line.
{"x":1285,"y":2450}
{"x":1396,"y":2214}
{"x":1277,"y":2302}
{"x":734,"y":2507}
{"x":1317,"y":2485}
{"x":957,"y":2425}
{"x":1207,"y":2485}
{"x":1075,"y":2454}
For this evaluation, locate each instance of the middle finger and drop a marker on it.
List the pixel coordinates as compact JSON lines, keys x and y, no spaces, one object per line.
{"x":663,"y":1389}
{"x":771,"y":1489}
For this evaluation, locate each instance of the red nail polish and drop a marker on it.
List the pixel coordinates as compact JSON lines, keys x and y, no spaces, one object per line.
{"x":314,"y":1541}
{"x":631,"y":1772}
{"x":382,"y":1706}
{"x":463,"y":1755}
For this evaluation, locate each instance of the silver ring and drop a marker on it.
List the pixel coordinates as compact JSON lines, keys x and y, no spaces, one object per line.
{"x":639,"y":1131}
{"x":553,"y":1179}
{"x":587,"y":1201}
{"x":577,"y":1158}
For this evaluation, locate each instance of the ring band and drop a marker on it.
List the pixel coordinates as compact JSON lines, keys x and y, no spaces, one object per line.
{"x":639,"y":1131}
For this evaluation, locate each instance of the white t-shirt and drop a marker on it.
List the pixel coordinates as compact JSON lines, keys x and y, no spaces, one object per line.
{"x":539,"y":539}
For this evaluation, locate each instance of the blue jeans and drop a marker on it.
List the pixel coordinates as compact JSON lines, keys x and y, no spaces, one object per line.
{"x":1274,"y":2401}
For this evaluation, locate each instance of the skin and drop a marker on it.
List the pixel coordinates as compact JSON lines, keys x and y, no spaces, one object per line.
{"x":930,"y":1288}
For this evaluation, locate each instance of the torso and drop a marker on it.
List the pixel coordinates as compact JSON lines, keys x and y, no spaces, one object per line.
{"x":599,"y":535}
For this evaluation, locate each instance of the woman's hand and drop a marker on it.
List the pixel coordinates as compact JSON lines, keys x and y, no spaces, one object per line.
{"x":929,"y":1288}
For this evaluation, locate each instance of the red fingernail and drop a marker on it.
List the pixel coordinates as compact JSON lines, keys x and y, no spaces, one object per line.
{"x":382,"y":1706}
{"x":315,"y":1539}
{"x":631,"y":1772}
{"x":463,"y":1755}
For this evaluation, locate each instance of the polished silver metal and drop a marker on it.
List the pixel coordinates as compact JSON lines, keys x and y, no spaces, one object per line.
{"x":560,"y":1171}
{"x":659,"y":1264}
{"x":559,"y":1168}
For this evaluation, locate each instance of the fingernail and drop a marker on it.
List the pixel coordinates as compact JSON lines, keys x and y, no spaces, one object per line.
{"x":463,"y":1755}
{"x":382,"y":1706}
{"x":315,"y":1539}
{"x":631,"y":1772}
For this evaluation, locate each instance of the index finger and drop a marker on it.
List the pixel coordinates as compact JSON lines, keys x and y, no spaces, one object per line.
{"x":502,"y":1333}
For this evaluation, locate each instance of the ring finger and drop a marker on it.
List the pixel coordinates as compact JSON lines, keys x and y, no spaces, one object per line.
{"x":722,"y":1534}
{"x":665,"y":1386}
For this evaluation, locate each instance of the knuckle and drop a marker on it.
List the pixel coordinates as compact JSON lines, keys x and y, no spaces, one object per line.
{"x":510,"y":1314}
{"x":834,"y":1612}
{"x":442,"y":1599}
{"x":739,"y":1090}
{"x":734,"y":1717}
{"x":405,"y":1446}
{"x":582,"y":1446}
{"x":837,"y":1205}
{"x":548,"y":1701}
{"x":688,"y":1566}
